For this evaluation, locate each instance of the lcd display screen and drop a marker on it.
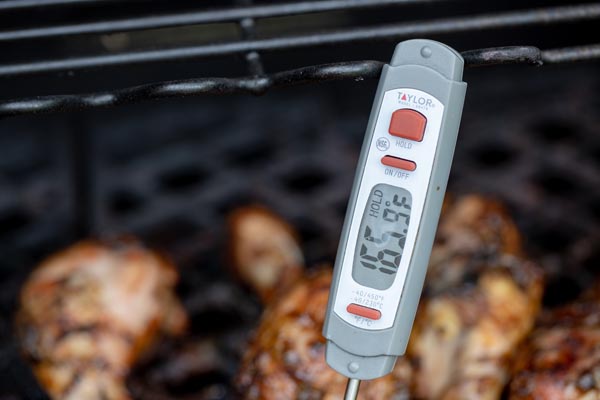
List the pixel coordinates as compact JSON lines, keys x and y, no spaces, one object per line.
{"x":382,"y":236}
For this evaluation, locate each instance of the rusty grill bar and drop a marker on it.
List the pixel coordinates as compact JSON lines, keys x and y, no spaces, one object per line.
{"x":257,"y":82}
{"x":260,"y":84}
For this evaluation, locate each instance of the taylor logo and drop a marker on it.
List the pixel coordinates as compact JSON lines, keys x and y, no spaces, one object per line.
{"x":413,"y":100}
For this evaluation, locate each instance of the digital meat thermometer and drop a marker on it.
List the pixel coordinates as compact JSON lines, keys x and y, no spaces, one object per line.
{"x":393,"y":210}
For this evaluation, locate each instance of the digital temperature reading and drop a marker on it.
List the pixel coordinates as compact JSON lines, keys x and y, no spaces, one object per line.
{"x":382,"y":236}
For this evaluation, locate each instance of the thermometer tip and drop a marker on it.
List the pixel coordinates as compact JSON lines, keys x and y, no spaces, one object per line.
{"x":352,"y":389}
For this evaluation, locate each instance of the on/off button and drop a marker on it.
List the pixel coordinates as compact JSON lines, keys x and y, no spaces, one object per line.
{"x":408,"y":124}
{"x":401,"y":163}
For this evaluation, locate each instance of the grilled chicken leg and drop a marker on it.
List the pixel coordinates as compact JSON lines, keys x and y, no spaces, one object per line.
{"x":88,"y":313}
{"x":479,"y":303}
{"x":561,"y":359}
{"x":264,"y":251}
{"x":286,"y":359}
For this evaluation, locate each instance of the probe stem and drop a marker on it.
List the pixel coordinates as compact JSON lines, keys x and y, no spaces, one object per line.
{"x":352,"y":389}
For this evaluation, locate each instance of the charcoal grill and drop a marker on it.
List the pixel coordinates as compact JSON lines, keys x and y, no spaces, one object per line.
{"x":169,"y":171}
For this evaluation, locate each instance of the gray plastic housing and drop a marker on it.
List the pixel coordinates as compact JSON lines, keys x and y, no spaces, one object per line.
{"x":437,"y":69}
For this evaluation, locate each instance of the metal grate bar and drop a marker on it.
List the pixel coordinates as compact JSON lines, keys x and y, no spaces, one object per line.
{"x":25,"y":4}
{"x":395,"y":31}
{"x":358,"y":70}
{"x":253,"y":59}
{"x":199,"y":17}
{"x":571,"y":54}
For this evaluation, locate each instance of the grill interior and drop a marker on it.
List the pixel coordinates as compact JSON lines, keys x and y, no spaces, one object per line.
{"x":170,"y":171}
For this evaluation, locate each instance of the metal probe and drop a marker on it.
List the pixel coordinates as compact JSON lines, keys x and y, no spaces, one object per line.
{"x":352,"y":389}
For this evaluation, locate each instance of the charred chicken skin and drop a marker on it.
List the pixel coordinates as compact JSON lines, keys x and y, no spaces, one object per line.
{"x":89,"y":312}
{"x":561,"y":359}
{"x":479,"y":303}
{"x":286,"y":359}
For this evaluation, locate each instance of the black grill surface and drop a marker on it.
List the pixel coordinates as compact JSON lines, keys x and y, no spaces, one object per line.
{"x":171,"y":171}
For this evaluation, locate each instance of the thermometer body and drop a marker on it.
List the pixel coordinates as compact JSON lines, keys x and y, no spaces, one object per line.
{"x":394,"y":209}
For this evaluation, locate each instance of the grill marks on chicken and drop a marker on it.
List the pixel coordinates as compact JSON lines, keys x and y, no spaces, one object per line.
{"x":561,"y":359}
{"x":90,"y":311}
{"x":480,"y":302}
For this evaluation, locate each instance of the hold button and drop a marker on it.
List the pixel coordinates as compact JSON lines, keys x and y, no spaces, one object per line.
{"x":408,"y":124}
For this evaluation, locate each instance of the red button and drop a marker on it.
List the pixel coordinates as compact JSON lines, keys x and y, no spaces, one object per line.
{"x":363,"y":311}
{"x":408,"y":124}
{"x":399,"y":163}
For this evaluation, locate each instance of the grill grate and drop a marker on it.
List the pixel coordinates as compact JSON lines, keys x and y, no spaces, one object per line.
{"x":257,"y":83}
{"x":169,"y":190}
{"x":170,"y":172}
